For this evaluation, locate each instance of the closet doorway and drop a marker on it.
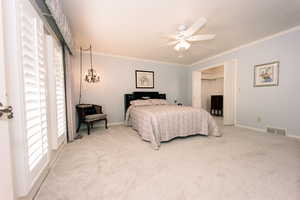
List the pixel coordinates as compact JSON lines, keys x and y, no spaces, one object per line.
{"x":214,"y":84}
{"x":212,"y":90}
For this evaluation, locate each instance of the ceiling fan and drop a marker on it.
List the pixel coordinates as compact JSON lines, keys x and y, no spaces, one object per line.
{"x":185,"y":35}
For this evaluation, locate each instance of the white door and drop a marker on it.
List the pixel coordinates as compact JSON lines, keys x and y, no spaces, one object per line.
{"x":230,"y":75}
{"x":26,"y":91}
{"x":6,"y":173}
{"x":197,"y":79}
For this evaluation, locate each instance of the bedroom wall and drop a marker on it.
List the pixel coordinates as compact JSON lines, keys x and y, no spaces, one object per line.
{"x":276,"y":106}
{"x":118,"y":78}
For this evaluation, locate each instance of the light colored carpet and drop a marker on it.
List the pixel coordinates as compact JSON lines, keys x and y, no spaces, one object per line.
{"x":115,"y":164}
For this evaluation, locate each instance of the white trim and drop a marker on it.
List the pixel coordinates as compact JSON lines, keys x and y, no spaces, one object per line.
{"x":296,"y":28}
{"x":294,"y":136}
{"x":116,"y":123}
{"x":136,"y":59}
{"x":109,"y":124}
{"x":55,"y":155}
{"x":6,"y":148}
{"x":236,"y":90}
{"x":11,"y":11}
{"x":211,"y":66}
{"x":235,"y":82}
{"x":101,"y":125}
{"x":196,"y":89}
{"x":251,"y":128}
{"x":264,"y":130}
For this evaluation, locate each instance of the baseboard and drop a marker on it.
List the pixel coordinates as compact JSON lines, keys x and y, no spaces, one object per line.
{"x":294,"y":136}
{"x":251,"y":128}
{"x":109,"y":124}
{"x":263,"y":130}
{"x":44,"y":173}
{"x":115,"y":123}
{"x":102,"y":125}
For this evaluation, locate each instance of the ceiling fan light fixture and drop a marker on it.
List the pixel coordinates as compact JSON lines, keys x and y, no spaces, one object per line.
{"x":182,"y":45}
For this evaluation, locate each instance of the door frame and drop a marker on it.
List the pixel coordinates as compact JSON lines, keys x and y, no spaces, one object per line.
{"x":6,"y":172}
{"x":235,"y":83}
{"x":13,"y":60}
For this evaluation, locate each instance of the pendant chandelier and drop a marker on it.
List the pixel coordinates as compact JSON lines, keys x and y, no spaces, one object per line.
{"x":91,"y":76}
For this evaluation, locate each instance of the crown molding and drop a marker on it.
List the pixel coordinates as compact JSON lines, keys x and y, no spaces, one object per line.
{"x":135,"y":58}
{"x":296,"y":28}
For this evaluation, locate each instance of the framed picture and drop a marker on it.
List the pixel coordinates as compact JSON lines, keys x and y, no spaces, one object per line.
{"x":144,"y":79}
{"x":266,"y":74}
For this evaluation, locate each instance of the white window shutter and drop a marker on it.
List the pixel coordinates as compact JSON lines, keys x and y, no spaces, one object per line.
{"x":60,"y":92}
{"x":35,"y":91}
{"x":57,"y":93}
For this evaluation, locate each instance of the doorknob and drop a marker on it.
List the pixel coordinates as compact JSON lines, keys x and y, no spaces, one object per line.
{"x":6,"y":112}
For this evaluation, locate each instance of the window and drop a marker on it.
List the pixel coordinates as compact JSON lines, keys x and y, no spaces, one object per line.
{"x":60,"y":91}
{"x":31,"y":93}
{"x":34,"y":87}
{"x":57,"y":93}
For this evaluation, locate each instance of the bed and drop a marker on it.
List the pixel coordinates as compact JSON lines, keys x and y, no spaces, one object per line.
{"x":156,"y":121}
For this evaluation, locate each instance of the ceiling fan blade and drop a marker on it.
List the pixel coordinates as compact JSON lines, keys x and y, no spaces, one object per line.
{"x":202,"y":46}
{"x":195,"y":27}
{"x":201,"y":37}
{"x":177,"y":46}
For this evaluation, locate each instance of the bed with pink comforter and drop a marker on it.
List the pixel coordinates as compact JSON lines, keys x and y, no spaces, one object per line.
{"x":158,"y":123}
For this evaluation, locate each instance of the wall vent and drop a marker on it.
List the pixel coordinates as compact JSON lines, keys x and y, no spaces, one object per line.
{"x":278,"y":131}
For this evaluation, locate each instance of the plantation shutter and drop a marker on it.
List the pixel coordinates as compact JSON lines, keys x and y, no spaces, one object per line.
{"x":60,"y":91}
{"x":35,"y":93}
{"x":57,"y":93}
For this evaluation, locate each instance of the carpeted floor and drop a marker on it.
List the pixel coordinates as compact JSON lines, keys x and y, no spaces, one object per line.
{"x":115,"y":164}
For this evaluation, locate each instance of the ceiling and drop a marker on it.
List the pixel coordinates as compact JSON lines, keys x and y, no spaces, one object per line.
{"x":136,"y":28}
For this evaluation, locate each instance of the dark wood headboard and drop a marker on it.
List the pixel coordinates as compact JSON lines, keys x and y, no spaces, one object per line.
{"x":141,"y":95}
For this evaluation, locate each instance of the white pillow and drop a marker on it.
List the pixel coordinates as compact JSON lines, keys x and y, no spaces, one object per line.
{"x":159,"y":101}
{"x":141,"y":103}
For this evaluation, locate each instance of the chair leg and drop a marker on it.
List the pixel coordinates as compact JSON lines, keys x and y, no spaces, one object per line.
{"x":79,"y":124}
{"x":89,"y":127}
{"x":105,"y":123}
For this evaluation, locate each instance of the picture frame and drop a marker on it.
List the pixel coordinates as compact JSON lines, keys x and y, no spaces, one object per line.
{"x":266,"y":74}
{"x":144,"y":79}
